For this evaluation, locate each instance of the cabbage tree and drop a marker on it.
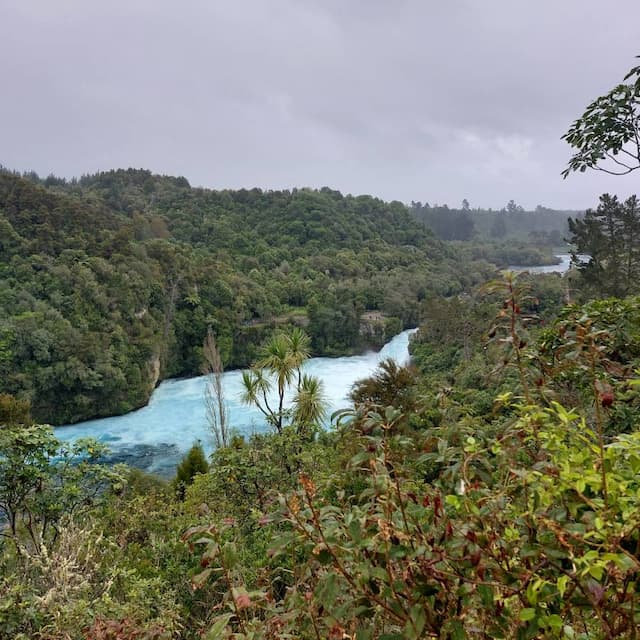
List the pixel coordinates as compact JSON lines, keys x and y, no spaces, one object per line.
{"x":279,"y":367}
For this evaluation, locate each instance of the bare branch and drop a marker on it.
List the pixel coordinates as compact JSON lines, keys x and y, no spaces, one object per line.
{"x":618,"y":162}
{"x":216,"y":407}
{"x":612,"y":173}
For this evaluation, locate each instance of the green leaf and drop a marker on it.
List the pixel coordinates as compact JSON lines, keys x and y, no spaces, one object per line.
{"x":217,"y":631}
{"x":355,"y":530}
{"x":457,"y":630}
{"x":327,"y":590}
{"x":453,"y":501}
{"x":199,"y":579}
{"x":554,"y":621}
{"x":596,"y":572}
{"x":486,"y":595}
{"x":229,"y":554}
{"x":532,"y":594}
{"x":562,"y":585}
{"x":416,"y":622}
{"x":527,"y":614}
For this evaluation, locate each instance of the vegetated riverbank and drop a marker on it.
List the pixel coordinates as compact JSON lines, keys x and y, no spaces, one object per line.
{"x":560,"y":264}
{"x":155,"y":437}
{"x":108,"y":284}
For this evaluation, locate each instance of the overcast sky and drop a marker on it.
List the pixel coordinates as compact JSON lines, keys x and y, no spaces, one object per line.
{"x":431,"y":100}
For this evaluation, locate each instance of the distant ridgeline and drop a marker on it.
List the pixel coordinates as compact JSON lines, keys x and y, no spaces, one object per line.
{"x":542,"y":226}
{"x":108,"y":283}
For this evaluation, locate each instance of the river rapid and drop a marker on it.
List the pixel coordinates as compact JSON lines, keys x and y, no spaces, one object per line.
{"x":156,"y":437}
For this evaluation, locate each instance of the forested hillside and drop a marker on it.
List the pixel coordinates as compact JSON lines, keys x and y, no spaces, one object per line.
{"x":108,"y":284}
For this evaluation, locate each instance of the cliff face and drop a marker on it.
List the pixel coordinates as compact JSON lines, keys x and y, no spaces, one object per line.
{"x":154,"y":372}
{"x":377,"y":328}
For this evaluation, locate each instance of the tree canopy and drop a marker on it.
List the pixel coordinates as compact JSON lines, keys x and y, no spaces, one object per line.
{"x":610,"y":237}
{"x":607,"y":135}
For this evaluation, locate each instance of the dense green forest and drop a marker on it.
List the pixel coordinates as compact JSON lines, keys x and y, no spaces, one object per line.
{"x":109,"y":283}
{"x":488,"y":489}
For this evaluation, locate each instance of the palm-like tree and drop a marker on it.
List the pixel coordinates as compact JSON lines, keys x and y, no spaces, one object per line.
{"x":300,"y":350}
{"x":277,"y":359}
{"x":256,"y":387}
{"x":310,"y":403}
{"x":282,"y":357}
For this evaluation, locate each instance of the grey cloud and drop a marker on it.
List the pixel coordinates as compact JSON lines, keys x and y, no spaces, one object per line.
{"x":405,"y":99}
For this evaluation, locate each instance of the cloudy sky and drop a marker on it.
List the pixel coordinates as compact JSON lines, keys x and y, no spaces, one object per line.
{"x":431,"y":100}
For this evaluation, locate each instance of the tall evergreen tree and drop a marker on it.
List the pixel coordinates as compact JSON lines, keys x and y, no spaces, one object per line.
{"x":610,"y":235}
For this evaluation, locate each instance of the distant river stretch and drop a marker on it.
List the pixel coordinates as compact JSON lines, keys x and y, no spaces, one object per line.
{"x":562,"y":267}
{"x":155,"y":437}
